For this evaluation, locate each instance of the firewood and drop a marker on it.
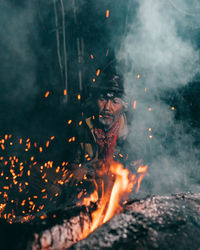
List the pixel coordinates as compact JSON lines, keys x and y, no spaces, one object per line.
{"x":162,"y":222}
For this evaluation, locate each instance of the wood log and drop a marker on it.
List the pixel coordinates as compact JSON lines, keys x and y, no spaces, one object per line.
{"x":159,"y":222}
{"x":67,"y":230}
{"x":56,"y":230}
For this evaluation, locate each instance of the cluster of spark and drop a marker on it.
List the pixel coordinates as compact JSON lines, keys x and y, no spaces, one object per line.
{"x":21,"y":175}
{"x":17,"y":201}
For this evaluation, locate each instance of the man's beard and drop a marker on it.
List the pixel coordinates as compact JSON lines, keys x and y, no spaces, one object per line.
{"x":106,"y":119}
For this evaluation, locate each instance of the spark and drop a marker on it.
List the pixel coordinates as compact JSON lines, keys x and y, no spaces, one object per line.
{"x":134,"y":104}
{"x":47,"y":94}
{"x":69,"y":122}
{"x":138,"y":76}
{"x":98,"y":72}
{"x":107,"y":13}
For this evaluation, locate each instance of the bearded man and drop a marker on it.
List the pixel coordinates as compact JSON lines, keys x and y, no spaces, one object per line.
{"x":102,"y":136}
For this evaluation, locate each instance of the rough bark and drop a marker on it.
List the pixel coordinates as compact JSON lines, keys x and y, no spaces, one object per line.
{"x":59,"y":230}
{"x":168,"y":222}
{"x":62,"y":235}
{"x":160,"y":222}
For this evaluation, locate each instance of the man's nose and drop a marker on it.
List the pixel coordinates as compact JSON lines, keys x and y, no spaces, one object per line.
{"x":108,"y":104}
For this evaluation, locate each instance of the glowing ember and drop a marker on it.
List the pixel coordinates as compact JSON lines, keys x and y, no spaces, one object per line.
{"x":47,"y":94}
{"x":115,"y":185}
{"x":138,"y":76}
{"x":134,"y":104}
{"x":98,"y":72}
{"x":107,"y":13}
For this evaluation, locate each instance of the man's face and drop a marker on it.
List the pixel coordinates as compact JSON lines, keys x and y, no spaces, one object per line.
{"x":110,"y":109}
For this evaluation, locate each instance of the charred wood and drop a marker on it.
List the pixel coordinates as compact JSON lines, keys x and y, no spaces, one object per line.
{"x":58,"y":230}
{"x":159,"y":222}
{"x":63,"y":233}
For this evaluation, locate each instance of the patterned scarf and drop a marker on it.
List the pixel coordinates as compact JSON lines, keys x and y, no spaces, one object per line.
{"x":107,"y":140}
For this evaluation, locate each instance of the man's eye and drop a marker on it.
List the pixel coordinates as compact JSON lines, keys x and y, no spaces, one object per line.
{"x":116,"y":100}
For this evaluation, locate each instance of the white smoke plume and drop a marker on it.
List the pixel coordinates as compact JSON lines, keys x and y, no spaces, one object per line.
{"x":157,"y":48}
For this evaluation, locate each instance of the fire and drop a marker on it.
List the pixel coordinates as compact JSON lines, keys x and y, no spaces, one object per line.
{"x":115,"y":185}
{"x":141,"y":171}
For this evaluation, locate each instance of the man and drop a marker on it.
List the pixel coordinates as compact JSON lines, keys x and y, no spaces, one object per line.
{"x":102,"y":136}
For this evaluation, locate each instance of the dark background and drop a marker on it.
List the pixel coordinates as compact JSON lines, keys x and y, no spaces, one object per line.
{"x":30,"y":67}
{"x":26,"y":110}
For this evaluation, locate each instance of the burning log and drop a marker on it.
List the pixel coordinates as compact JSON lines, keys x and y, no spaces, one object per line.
{"x":163,"y":222}
{"x":64,"y":232}
{"x":168,"y":222}
{"x":55,"y":230}
{"x":63,"y":228}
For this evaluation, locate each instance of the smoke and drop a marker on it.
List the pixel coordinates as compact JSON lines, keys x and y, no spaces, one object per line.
{"x":157,"y":45}
{"x":29,"y":65}
{"x":157,"y":57}
{"x":18,"y":59}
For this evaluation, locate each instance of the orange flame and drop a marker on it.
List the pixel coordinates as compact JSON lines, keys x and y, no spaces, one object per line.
{"x":119,"y":184}
{"x":141,"y":171}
